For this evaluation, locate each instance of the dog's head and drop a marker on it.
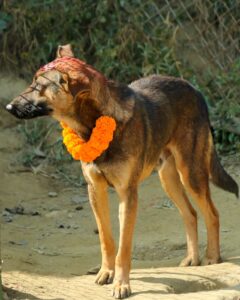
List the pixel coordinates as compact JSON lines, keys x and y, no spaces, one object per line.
{"x":69,"y":89}
{"x":55,"y":86}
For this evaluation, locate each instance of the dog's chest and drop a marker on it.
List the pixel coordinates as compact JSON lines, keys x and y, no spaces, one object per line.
{"x":118,"y":175}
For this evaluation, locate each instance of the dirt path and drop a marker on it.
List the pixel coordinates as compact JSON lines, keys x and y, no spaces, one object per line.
{"x":212,"y":283}
{"x":49,"y":238}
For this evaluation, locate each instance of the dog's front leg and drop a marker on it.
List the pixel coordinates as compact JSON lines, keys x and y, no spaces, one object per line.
{"x":127,"y":217}
{"x":99,"y":201}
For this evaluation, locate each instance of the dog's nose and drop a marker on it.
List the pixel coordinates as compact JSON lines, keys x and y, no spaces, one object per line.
{"x":9,"y":107}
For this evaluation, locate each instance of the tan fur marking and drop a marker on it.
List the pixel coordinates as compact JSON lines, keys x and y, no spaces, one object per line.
{"x":97,"y":189}
{"x":173,"y":187}
{"x":206,"y":206}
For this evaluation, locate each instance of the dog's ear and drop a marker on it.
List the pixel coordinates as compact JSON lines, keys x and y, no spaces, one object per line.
{"x":78,"y":83}
{"x":65,"y":50}
{"x":115,"y":100}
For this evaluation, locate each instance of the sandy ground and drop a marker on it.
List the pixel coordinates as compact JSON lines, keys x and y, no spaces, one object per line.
{"x":49,"y":239}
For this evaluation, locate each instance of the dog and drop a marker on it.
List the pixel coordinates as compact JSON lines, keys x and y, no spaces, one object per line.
{"x":162,"y":124}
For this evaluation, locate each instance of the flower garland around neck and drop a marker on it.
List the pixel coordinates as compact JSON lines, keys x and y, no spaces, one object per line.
{"x":102,"y":135}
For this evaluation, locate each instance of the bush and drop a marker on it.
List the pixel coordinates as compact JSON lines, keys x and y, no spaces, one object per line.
{"x":115,"y":36}
{"x":123,"y":39}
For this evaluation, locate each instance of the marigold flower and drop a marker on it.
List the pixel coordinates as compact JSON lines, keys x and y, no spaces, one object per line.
{"x":102,"y":135}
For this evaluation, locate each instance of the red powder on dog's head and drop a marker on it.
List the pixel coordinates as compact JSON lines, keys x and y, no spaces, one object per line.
{"x":64,"y":64}
{"x":73,"y":67}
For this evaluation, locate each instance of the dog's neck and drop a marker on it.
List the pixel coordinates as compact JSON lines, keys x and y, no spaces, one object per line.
{"x":83,"y":119}
{"x":115,"y":101}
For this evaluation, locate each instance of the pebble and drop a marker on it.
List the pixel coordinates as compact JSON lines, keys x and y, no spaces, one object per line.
{"x":17,"y":210}
{"x":225,"y":230}
{"x":52,"y":194}
{"x":75,"y":226}
{"x":20,"y":243}
{"x":96,"y":231}
{"x":35,"y":213}
{"x":7,"y":216}
{"x":6,"y":213}
{"x":79,"y":199}
{"x":79,"y":207}
{"x":94,"y":270}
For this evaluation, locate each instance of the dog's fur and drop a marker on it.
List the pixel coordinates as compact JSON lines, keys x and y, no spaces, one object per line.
{"x":162,"y":123}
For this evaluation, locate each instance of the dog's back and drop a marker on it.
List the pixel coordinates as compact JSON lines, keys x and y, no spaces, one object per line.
{"x":177,"y":96}
{"x":177,"y":115}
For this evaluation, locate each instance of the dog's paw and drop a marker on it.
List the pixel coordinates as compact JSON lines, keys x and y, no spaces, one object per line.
{"x":121,"y":291}
{"x":189,"y":261}
{"x":210,"y":260}
{"x":104,"y":276}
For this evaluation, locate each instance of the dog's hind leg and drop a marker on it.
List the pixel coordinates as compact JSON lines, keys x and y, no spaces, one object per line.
{"x":127,"y":218}
{"x":97,"y":190}
{"x":192,"y":156}
{"x":173,"y":187}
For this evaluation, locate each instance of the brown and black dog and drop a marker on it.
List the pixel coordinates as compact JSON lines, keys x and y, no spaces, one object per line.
{"x":162,"y":123}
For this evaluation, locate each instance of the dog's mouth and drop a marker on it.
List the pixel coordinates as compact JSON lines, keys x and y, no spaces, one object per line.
{"x":29,"y":110}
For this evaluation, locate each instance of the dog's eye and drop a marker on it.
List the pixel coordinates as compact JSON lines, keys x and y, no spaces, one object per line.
{"x":43,"y":89}
{"x":62,"y":81}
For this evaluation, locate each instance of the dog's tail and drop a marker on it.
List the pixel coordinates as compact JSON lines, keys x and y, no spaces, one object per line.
{"x":220,"y":177}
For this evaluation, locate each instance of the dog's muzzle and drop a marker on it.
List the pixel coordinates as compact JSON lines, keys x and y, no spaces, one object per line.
{"x":28,"y":110}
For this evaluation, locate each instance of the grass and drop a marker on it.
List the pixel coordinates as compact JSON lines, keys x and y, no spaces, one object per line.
{"x":45,"y":153}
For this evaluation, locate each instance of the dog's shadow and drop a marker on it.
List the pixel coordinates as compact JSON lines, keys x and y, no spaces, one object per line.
{"x":164,"y":282}
{"x":171,"y":285}
{"x":15,"y":294}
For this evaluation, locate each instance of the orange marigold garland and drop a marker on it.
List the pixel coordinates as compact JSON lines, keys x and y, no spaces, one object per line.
{"x":99,"y":140}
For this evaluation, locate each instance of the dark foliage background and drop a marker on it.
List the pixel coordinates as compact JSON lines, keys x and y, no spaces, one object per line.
{"x":125,"y":40}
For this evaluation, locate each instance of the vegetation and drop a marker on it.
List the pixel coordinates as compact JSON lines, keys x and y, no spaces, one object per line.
{"x":123,"y":39}
{"x":114,"y":36}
